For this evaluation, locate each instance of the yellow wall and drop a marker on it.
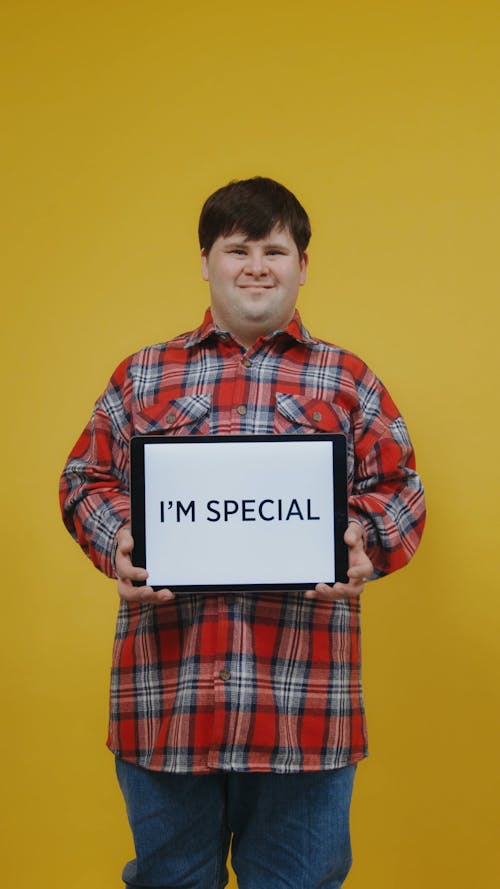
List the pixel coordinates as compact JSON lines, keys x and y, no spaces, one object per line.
{"x":120,"y":117}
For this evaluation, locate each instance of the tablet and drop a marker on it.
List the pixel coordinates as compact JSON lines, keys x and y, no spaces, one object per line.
{"x":239,"y":512}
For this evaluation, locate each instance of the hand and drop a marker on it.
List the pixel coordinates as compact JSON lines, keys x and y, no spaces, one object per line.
{"x":126,"y":573}
{"x":360,"y":568}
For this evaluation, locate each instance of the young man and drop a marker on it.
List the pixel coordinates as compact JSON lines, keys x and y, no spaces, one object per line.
{"x":240,"y":717}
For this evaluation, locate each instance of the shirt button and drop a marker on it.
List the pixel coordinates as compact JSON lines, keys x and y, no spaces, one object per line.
{"x":224,"y":675}
{"x":241,"y":410}
{"x":246,"y":362}
{"x":317,"y":415}
{"x":170,"y":418}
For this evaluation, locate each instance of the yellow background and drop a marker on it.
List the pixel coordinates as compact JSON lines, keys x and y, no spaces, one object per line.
{"x":118,"y":119}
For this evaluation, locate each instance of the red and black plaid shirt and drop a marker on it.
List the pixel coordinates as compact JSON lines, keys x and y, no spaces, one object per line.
{"x":248,"y":682}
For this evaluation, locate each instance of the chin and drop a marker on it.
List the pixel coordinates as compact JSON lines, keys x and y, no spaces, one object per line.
{"x":262,"y":318}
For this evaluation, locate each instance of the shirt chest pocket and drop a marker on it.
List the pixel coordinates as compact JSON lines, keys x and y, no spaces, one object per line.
{"x":303,"y":414}
{"x":187,"y":415}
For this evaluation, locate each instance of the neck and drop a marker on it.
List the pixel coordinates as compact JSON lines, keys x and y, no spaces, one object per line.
{"x":248,"y":335}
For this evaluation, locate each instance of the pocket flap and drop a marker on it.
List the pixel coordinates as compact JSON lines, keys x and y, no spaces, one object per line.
{"x":173,"y":414}
{"x":313,"y":412}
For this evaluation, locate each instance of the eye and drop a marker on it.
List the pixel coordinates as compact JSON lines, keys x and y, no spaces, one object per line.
{"x":238,"y":251}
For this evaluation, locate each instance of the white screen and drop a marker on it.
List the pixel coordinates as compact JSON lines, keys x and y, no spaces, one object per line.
{"x":277,"y":524}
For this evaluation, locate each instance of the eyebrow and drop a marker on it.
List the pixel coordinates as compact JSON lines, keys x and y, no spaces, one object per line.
{"x":268,"y":246}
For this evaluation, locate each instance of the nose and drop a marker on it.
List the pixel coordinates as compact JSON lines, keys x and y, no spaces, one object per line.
{"x":255,"y":264}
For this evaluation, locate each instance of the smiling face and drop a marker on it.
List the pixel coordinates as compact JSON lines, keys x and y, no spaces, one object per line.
{"x":253,"y":284}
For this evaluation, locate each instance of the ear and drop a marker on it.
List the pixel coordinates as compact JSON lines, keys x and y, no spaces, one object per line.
{"x":204,"y":264}
{"x":303,"y":268}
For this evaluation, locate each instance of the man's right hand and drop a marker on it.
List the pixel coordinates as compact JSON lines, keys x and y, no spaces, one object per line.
{"x":127,"y":573}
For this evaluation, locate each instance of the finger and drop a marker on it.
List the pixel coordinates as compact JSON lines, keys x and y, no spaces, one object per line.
{"x":124,"y":567}
{"x":359,"y":563}
{"x":354,"y":588}
{"x":354,"y":535}
{"x":144,"y":594}
{"x":360,"y":572}
{"x":125,"y":540}
{"x":126,"y":571}
{"x":337,"y":592}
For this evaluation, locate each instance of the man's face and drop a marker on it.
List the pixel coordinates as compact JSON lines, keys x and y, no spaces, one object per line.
{"x":253,"y":284}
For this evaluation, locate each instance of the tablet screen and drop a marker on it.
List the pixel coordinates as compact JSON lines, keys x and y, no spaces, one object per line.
{"x":239,"y":513}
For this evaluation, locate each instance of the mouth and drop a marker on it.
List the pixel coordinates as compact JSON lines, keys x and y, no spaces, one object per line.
{"x":255,"y":286}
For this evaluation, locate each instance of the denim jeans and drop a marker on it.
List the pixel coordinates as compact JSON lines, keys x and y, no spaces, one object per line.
{"x":286,"y":831}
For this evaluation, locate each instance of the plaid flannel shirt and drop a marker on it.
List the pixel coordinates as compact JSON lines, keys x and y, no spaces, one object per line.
{"x":248,"y":682}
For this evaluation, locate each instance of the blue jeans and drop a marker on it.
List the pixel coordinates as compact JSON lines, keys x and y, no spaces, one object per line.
{"x":287,"y":831}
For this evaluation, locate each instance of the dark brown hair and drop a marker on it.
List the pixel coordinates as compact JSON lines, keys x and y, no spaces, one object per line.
{"x":254,"y":207}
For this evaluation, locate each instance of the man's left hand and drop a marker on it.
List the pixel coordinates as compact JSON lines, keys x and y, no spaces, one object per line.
{"x":360,"y":569}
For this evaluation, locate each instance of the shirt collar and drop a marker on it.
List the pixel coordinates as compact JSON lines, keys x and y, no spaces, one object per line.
{"x":294,"y":329}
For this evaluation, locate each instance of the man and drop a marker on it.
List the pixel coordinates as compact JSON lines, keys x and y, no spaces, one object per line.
{"x":240,"y":717}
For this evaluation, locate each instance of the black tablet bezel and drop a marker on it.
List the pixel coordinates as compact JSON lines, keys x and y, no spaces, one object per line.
{"x":137,"y":501}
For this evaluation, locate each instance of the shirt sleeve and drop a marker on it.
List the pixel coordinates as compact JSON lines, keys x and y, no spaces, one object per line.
{"x":94,"y":486}
{"x":387,"y":495}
